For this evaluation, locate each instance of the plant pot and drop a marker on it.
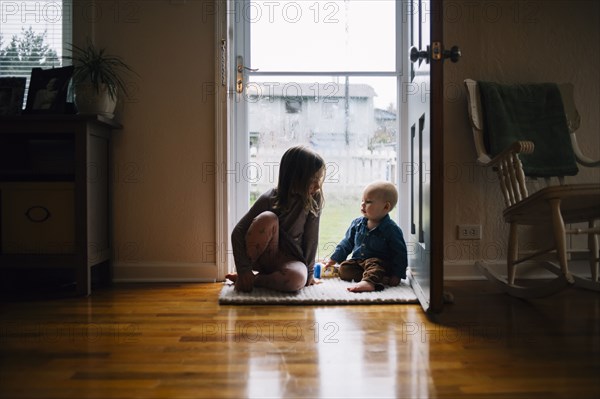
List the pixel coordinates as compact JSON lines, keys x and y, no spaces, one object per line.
{"x":89,"y":101}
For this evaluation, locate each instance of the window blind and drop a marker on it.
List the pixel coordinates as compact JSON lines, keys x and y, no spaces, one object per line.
{"x":33,"y":33}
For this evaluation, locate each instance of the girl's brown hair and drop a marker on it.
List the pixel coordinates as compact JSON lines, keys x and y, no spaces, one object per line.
{"x":299,"y":166}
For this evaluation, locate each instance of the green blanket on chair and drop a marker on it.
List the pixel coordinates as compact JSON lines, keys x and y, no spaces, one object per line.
{"x":531,"y":112}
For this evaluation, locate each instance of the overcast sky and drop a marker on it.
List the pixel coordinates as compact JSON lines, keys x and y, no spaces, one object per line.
{"x":309,"y":35}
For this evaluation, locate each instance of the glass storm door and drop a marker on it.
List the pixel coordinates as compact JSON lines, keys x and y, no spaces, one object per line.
{"x":324,"y":74}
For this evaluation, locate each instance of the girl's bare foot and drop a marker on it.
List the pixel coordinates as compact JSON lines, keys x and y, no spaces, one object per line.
{"x":242,"y":282}
{"x":363,"y":286}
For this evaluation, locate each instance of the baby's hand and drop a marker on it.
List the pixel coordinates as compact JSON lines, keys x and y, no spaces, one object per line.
{"x":313,"y":281}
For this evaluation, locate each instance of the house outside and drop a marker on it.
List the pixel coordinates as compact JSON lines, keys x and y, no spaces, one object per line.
{"x":337,"y":120}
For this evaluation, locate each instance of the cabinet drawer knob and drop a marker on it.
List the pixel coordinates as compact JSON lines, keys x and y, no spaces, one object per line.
{"x":38,"y":214}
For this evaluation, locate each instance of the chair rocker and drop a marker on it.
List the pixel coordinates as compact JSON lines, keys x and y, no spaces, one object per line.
{"x":557,"y":202}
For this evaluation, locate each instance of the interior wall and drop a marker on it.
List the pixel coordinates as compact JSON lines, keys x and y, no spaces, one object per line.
{"x":163,"y":158}
{"x":511,"y":42}
{"x":163,"y":193}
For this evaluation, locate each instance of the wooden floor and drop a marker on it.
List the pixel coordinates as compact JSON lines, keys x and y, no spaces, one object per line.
{"x":175,"y":341}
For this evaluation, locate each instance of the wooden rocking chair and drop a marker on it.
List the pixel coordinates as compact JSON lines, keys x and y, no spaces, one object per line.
{"x":559,"y":203}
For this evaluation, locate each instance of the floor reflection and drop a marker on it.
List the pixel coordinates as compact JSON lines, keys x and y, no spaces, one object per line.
{"x":330,"y":352}
{"x":357,"y":359}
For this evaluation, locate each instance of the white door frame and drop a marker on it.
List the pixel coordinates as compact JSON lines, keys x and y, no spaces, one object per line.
{"x":222,"y":151}
{"x":229,"y":180}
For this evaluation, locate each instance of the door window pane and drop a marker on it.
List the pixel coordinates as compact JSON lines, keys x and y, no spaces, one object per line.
{"x":350,"y":121}
{"x":357,"y":35}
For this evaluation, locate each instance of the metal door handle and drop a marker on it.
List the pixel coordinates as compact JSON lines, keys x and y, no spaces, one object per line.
{"x":439,"y":53}
{"x":453,"y":54}
{"x":419,"y":55}
{"x":239,"y":81}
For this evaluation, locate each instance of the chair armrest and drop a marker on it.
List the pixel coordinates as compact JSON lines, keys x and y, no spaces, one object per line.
{"x":509,"y":168}
{"x":582,"y":159}
{"x":518,"y":147}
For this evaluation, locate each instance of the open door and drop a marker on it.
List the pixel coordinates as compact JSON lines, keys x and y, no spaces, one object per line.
{"x":424,"y":96}
{"x":333,"y":90}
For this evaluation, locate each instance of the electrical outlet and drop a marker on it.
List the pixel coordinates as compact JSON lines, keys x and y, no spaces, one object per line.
{"x":469,"y":232}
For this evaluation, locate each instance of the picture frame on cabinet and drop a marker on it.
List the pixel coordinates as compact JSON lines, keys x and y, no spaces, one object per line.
{"x":48,"y":90}
{"x":12,"y":93}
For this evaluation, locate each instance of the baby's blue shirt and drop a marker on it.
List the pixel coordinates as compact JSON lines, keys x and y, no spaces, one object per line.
{"x":385,"y":242}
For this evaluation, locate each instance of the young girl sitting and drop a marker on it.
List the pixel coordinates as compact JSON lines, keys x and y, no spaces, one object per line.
{"x":278,"y":236}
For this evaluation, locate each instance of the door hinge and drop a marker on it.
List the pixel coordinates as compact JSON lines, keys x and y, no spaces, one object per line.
{"x":223,"y":62}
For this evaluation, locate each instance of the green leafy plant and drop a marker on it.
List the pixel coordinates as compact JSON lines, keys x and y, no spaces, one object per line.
{"x":94,"y":66}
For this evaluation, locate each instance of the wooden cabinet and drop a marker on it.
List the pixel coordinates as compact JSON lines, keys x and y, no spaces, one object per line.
{"x":55,"y":194}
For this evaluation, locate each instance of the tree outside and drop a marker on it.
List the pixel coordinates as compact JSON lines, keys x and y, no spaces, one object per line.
{"x":25,"y":51}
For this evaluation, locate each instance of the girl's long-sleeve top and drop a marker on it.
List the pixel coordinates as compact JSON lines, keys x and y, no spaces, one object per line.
{"x":385,"y":242}
{"x":298,"y":232}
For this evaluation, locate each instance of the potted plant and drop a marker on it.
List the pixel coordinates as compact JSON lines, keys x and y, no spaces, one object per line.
{"x":99,"y":79}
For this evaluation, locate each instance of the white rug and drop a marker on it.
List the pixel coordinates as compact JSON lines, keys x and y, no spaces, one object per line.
{"x":332,"y":291}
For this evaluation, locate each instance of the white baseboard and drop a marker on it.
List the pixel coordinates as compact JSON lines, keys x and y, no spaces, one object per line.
{"x":164,"y":272}
{"x":462,"y":271}
{"x":469,"y":271}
